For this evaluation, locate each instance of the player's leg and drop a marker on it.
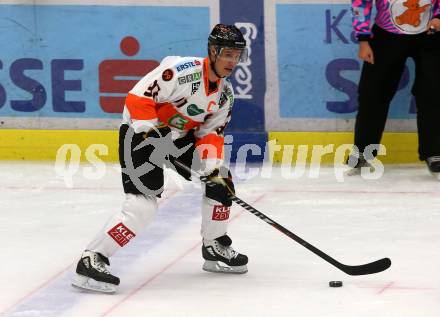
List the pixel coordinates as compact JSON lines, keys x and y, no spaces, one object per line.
{"x":138,"y":210}
{"x":425,"y":90}
{"x":377,"y":87}
{"x":217,"y":248}
{"x":217,"y":245}
{"x":93,"y":269}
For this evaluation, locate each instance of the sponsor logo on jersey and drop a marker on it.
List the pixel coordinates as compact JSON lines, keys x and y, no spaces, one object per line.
{"x":225,"y":96}
{"x":177,"y":121}
{"x":220,"y":213}
{"x":167,"y":74}
{"x":187,"y":65}
{"x":412,"y":16}
{"x":222,"y":100}
{"x":121,"y":234}
{"x":229,"y":94}
{"x":153,"y":90}
{"x":189,"y":78}
{"x":193,"y":110}
{"x":195,"y":86}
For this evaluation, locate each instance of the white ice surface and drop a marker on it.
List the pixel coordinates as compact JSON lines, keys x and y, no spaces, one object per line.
{"x":45,"y":225}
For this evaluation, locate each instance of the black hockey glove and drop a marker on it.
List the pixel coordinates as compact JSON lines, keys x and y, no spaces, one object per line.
{"x":221,"y":188}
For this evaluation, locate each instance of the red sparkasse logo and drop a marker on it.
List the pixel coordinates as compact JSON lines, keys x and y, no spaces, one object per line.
{"x":121,"y":234}
{"x":220,"y":212}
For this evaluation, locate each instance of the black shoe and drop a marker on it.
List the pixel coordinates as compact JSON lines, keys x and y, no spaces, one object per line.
{"x":219,"y":251}
{"x":433,"y":163}
{"x":92,"y":273}
{"x":356,"y":162}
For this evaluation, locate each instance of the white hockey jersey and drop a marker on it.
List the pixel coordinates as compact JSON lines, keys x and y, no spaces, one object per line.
{"x":177,"y":94}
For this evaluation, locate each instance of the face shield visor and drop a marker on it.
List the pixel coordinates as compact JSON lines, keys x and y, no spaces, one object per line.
{"x":232,"y":54}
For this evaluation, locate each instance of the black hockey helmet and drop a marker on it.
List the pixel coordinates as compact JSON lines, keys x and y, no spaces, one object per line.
{"x":228,"y":36}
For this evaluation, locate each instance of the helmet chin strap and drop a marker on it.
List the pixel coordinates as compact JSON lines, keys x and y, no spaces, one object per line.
{"x":213,"y":68}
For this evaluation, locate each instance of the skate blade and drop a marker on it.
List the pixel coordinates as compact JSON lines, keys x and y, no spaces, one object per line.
{"x":217,"y":267}
{"x":88,"y":284}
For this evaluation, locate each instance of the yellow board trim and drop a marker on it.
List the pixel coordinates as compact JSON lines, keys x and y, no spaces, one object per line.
{"x":43,"y":145}
{"x":400,"y":147}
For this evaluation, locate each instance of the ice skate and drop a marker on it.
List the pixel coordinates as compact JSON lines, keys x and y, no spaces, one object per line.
{"x":220,"y":257}
{"x":92,"y":274}
{"x":433,"y":163}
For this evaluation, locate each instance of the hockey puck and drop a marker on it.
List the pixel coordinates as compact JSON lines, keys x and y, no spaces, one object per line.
{"x":335,"y":283}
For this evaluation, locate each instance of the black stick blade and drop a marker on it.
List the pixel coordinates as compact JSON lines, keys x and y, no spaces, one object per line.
{"x":370,"y":268}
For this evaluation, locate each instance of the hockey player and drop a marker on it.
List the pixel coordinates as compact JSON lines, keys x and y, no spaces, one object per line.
{"x":402,"y":29}
{"x":178,"y":110}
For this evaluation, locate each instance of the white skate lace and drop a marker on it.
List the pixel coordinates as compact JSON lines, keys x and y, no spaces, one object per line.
{"x":227,"y":252}
{"x":232,"y":253}
{"x":100,"y":265}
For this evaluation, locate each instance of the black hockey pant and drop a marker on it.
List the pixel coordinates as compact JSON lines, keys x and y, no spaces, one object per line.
{"x":152,"y":180}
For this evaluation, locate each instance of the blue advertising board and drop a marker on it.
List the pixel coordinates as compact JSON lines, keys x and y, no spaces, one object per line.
{"x":318,"y":66}
{"x":80,"y":60}
{"x":249,"y":79}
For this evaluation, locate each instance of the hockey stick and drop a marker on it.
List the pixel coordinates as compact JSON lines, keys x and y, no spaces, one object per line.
{"x":364,"y":269}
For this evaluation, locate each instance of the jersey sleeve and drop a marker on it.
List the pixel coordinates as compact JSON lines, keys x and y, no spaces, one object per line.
{"x":209,"y":135}
{"x":361,"y":12}
{"x":155,"y":88}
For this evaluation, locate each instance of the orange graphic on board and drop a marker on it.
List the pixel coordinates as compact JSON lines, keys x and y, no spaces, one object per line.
{"x":411,"y":15}
{"x":117,"y":77}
